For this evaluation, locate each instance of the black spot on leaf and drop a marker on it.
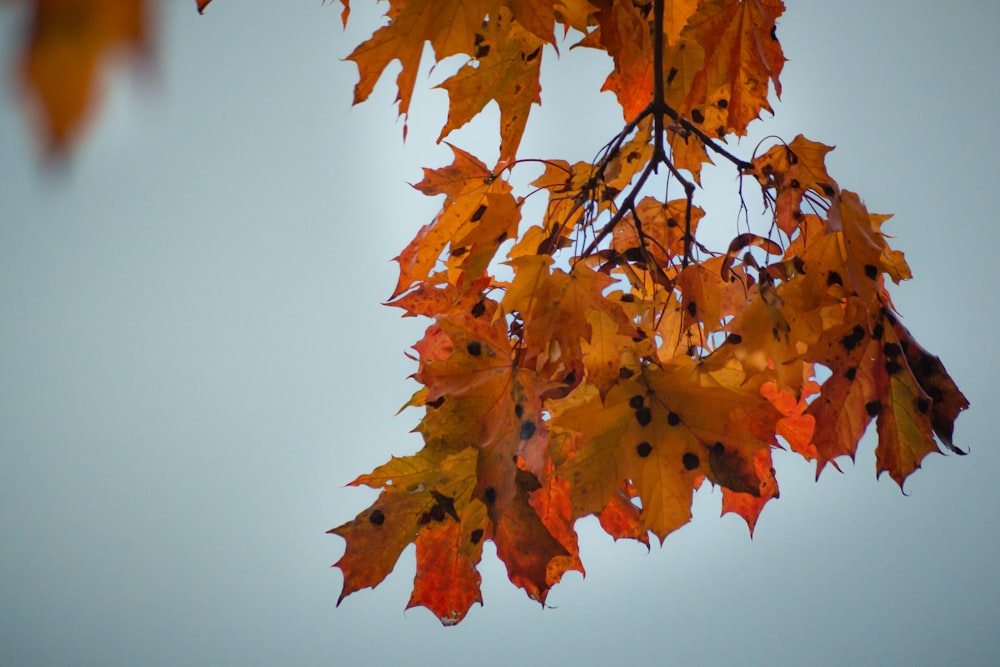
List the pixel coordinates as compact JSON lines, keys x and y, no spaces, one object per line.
{"x":871,"y":271}
{"x":833,"y":278}
{"x":436,"y":403}
{"x":718,"y":448}
{"x":437,"y":513}
{"x":878,"y":331}
{"x":690,"y":460}
{"x":474,"y":348}
{"x":478,"y":213}
{"x":625,"y":373}
{"x":477,"y":535}
{"x":851,"y":340}
{"x":891,"y":350}
{"x":527,"y":429}
{"x":922,"y":405}
{"x":377,"y":517}
{"x":734,"y":339}
{"x":643,"y":415}
{"x":671,"y":74}
{"x":723,"y":103}
{"x":851,"y":372}
{"x":697,"y":116}
{"x":643,"y":449}
{"x":490,"y":495}
{"x":628,"y":298}
{"x":673,"y":419}
{"x":636,"y":401}
{"x":873,"y":408}
{"x":479,"y":308}
{"x":446,"y":504}
{"x":519,"y":410}
{"x":692,"y":308}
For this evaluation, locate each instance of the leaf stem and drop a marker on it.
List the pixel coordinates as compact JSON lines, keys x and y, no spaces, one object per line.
{"x":658,"y":95}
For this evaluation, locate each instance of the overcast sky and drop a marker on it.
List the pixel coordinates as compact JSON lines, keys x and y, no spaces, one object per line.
{"x":194,"y":361}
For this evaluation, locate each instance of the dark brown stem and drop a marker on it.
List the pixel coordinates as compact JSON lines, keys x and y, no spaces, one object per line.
{"x":627,"y":204}
{"x":658,"y":96}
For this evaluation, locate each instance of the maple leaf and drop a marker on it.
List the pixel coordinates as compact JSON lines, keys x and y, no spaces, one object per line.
{"x":418,"y":490}
{"x":662,"y":431}
{"x":489,"y":400}
{"x":625,"y":34}
{"x":537,"y":16}
{"x":742,"y":58}
{"x":917,"y":399}
{"x":68,"y":44}
{"x":202,"y":4}
{"x":478,"y":214}
{"x":750,"y":505}
{"x":506,"y":69}
{"x":449,"y":25}
{"x":794,"y":170}
{"x":554,"y":306}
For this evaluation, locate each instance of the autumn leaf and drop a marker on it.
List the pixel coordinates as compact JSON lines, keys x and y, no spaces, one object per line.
{"x":68,"y":46}
{"x":554,"y":306}
{"x":625,"y":34}
{"x":478,"y":214}
{"x":794,"y":170}
{"x":742,"y":59}
{"x":662,"y":431}
{"x":749,"y":505}
{"x":418,"y":490}
{"x":506,"y":69}
{"x":448,"y":25}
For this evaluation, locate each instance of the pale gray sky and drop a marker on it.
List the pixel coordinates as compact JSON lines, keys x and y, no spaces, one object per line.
{"x":194,"y":362}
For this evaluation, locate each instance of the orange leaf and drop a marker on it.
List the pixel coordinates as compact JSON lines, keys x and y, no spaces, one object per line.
{"x":69,"y":43}
{"x":554,"y":307}
{"x":449,"y":25}
{"x":742,"y":57}
{"x":478,"y":214}
{"x":506,"y":69}
{"x":447,"y":581}
{"x":748,"y":505}
{"x":793,"y":170}
{"x":663,"y":431}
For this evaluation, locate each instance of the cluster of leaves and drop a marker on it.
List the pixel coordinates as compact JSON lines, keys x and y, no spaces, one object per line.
{"x":625,"y":363}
